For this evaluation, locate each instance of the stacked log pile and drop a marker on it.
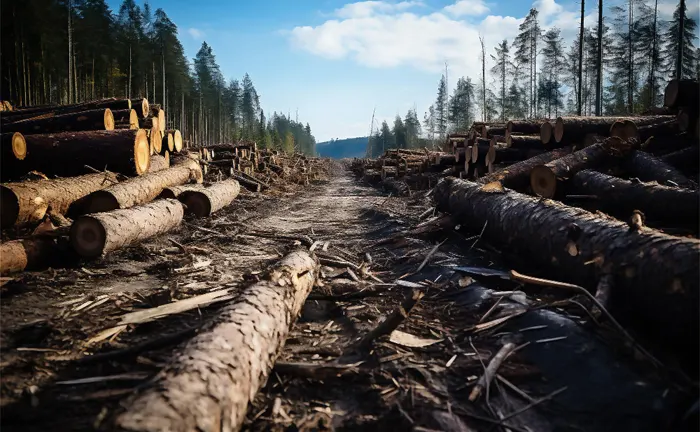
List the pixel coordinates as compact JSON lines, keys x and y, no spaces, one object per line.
{"x":590,"y":199}
{"x":107,"y":174}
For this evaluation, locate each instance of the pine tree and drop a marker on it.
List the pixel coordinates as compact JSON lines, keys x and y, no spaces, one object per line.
{"x":429,"y":122}
{"x":399,"y":133}
{"x":461,"y":106}
{"x":525,"y":46}
{"x":413,"y":128}
{"x":671,"y":42}
{"x":553,"y":59}
{"x":502,"y":69}
{"x":623,"y":74}
{"x":440,"y":109}
{"x":648,"y":32}
{"x":386,"y":139}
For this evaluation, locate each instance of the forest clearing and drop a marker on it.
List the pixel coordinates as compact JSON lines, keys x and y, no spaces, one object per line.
{"x":171,"y":259}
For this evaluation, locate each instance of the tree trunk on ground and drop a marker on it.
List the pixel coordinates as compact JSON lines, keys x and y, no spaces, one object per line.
{"x":177,"y":139}
{"x":620,"y":198}
{"x":665,"y":129}
{"x":257,"y":187}
{"x":512,"y":155}
{"x":209,"y":386}
{"x":492,"y":131}
{"x":136,"y":190}
{"x":33,"y":253}
{"x":141,"y":106}
{"x":96,"y":234}
{"x":685,"y":160}
{"x":13,"y":150}
{"x":125,"y":119}
{"x":168,"y":143}
{"x":655,"y":275}
{"x":98,"y":119}
{"x":687,"y":120}
{"x":573,"y":129}
{"x":155,"y":140}
{"x":159,"y":163}
{"x":526,"y":127}
{"x":111,"y":103}
{"x":525,"y":142}
{"x":649,"y":168}
{"x":668,"y":144}
{"x":547,"y":133}
{"x":682,"y":93}
{"x":174,"y":191}
{"x":517,"y":176}
{"x":28,"y":201}
{"x":546,"y":180}
{"x":202,"y":202}
{"x":149,"y":123}
{"x":66,"y":154}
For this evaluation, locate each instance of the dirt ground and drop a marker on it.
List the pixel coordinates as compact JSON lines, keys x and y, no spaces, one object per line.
{"x":62,"y":371}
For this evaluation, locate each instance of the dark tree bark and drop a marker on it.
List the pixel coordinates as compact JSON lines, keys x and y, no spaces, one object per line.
{"x":33,"y":253}
{"x":649,"y":168}
{"x":98,"y":119}
{"x":517,"y":176}
{"x":202,"y":202}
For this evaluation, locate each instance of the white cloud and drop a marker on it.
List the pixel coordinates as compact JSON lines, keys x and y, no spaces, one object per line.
{"x":195,"y":33}
{"x":467,"y":7}
{"x":547,"y":8}
{"x":365,"y":9}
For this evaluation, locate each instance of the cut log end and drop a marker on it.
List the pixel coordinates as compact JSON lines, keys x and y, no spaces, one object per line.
{"x":101,"y":201}
{"x":88,"y":237}
{"x":161,"y":120}
{"x":629,"y":130}
{"x":145,"y":108}
{"x":156,"y":143}
{"x":177,"y":140}
{"x":546,"y":132}
{"x":19,"y":146}
{"x":617,"y":129}
{"x":196,"y":202}
{"x":133,"y":119}
{"x":168,"y":142}
{"x":559,"y":129}
{"x":543,"y":181}
{"x":109,"y":119}
{"x":142,"y":152}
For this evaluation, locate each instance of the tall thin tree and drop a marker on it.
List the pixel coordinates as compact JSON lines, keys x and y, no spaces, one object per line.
{"x":599,"y":71}
{"x":580,"y":60}
{"x":679,"y":55}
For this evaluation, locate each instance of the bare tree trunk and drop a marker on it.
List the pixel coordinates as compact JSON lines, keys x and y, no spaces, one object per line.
{"x":599,"y":75}
{"x":681,"y":24}
{"x":483,"y":77}
{"x":630,"y":58}
{"x":652,"y":72}
{"x":580,"y":61}
{"x":128,"y":95}
{"x":70,"y":52}
{"x":164,"y":100}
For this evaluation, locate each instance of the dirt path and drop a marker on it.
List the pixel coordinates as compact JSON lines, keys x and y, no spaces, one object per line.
{"x":48,"y":319}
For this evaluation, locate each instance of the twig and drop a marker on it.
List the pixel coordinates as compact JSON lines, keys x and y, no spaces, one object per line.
{"x":533,"y":404}
{"x":338,"y":263}
{"x":392,"y":321}
{"x":479,"y":237}
{"x":515,"y":276}
{"x":491,"y":370}
{"x":513,"y":387}
{"x":430,"y":254}
{"x":491,"y":309}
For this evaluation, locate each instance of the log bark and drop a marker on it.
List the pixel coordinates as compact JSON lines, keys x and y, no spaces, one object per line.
{"x":257,"y":187}
{"x":155,"y":140}
{"x":96,"y":234}
{"x":649,"y":168}
{"x":159,"y":163}
{"x":684,"y":160}
{"x":396,"y":187}
{"x":573,"y":129}
{"x":33,"y":253}
{"x":98,"y":119}
{"x":209,"y":386}
{"x":524,"y":142}
{"x":149,"y":123}
{"x":177,"y":139}
{"x":525,"y":127}
{"x":667,"y":144}
{"x":141,"y":106}
{"x":28,"y":201}
{"x":517,"y":176}
{"x":53,"y":110}
{"x":202,"y":202}
{"x":682,"y":93}
{"x":620,"y":198}
{"x":665,"y":129}
{"x":168,"y":143}
{"x":13,"y":147}
{"x":66,"y":154}
{"x":547,"y":179}
{"x":547,"y":133}
{"x":655,"y":275}
{"x":125,"y":119}
{"x":136,"y":190}
{"x":157,"y":112}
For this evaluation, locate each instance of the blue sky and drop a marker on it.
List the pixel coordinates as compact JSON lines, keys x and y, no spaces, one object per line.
{"x":335,"y":61}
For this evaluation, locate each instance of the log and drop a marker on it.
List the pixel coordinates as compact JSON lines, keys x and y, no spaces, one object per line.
{"x":665,"y":129}
{"x":209,"y":386}
{"x":155,"y":140}
{"x":254,"y":186}
{"x":517,"y":176}
{"x":202,"y":202}
{"x":159,"y":163}
{"x":32,"y":253}
{"x":547,"y":179}
{"x":546,"y":133}
{"x":649,"y":168}
{"x":527,"y":127}
{"x":396,"y":187}
{"x":149,"y":123}
{"x":96,"y":234}
{"x":174,"y":191}
{"x":168,"y":143}
{"x":655,"y":274}
{"x":389,"y":171}
{"x":157,"y":112}
{"x":127,"y":117}
{"x":684,"y":160}
{"x":524,"y":142}
{"x":98,"y":119}
{"x":136,"y":190}
{"x":571,"y":129}
{"x":687,"y":120}
{"x":177,"y":140}
{"x":667,"y":144}
{"x":620,"y":198}
{"x":14,"y":147}
{"x":492,"y":131}
{"x":682,"y":93}
{"x":66,"y":154}
{"x":54,"y":110}
{"x":141,"y":106}
{"x":28,"y":201}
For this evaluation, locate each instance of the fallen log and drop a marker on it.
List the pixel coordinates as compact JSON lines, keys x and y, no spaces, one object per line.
{"x":209,"y":386}
{"x":177,"y":140}
{"x":685,"y":160}
{"x":526,"y":127}
{"x":620,"y":198}
{"x":13,"y":147}
{"x":159,"y":163}
{"x":682,"y":93}
{"x":517,"y":176}
{"x":396,"y":187}
{"x":96,"y":234}
{"x":524,"y":142}
{"x":649,"y":168}
{"x":136,"y":190}
{"x":66,"y":154}
{"x":155,"y":138}
{"x":547,"y":179}
{"x":570,"y":129}
{"x":202,"y":202}
{"x":168,"y":143}
{"x":125,"y":119}
{"x":98,"y":119}
{"x":32,"y":253}
{"x":655,"y":274}
{"x":141,"y":106}
{"x":28,"y":201}
{"x":665,"y":129}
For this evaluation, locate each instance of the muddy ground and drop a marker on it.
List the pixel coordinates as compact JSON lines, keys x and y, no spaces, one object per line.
{"x":573,"y":371}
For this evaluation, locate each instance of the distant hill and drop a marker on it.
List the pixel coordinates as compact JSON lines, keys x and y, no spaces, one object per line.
{"x":342,"y":148}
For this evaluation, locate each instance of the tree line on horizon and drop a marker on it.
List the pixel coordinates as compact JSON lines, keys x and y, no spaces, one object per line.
{"x":617,"y":68}
{"x":69,"y":51}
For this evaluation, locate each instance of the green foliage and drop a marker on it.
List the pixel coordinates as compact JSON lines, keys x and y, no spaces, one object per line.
{"x":503,"y":69}
{"x":461,"y":107}
{"x":670,"y":53}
